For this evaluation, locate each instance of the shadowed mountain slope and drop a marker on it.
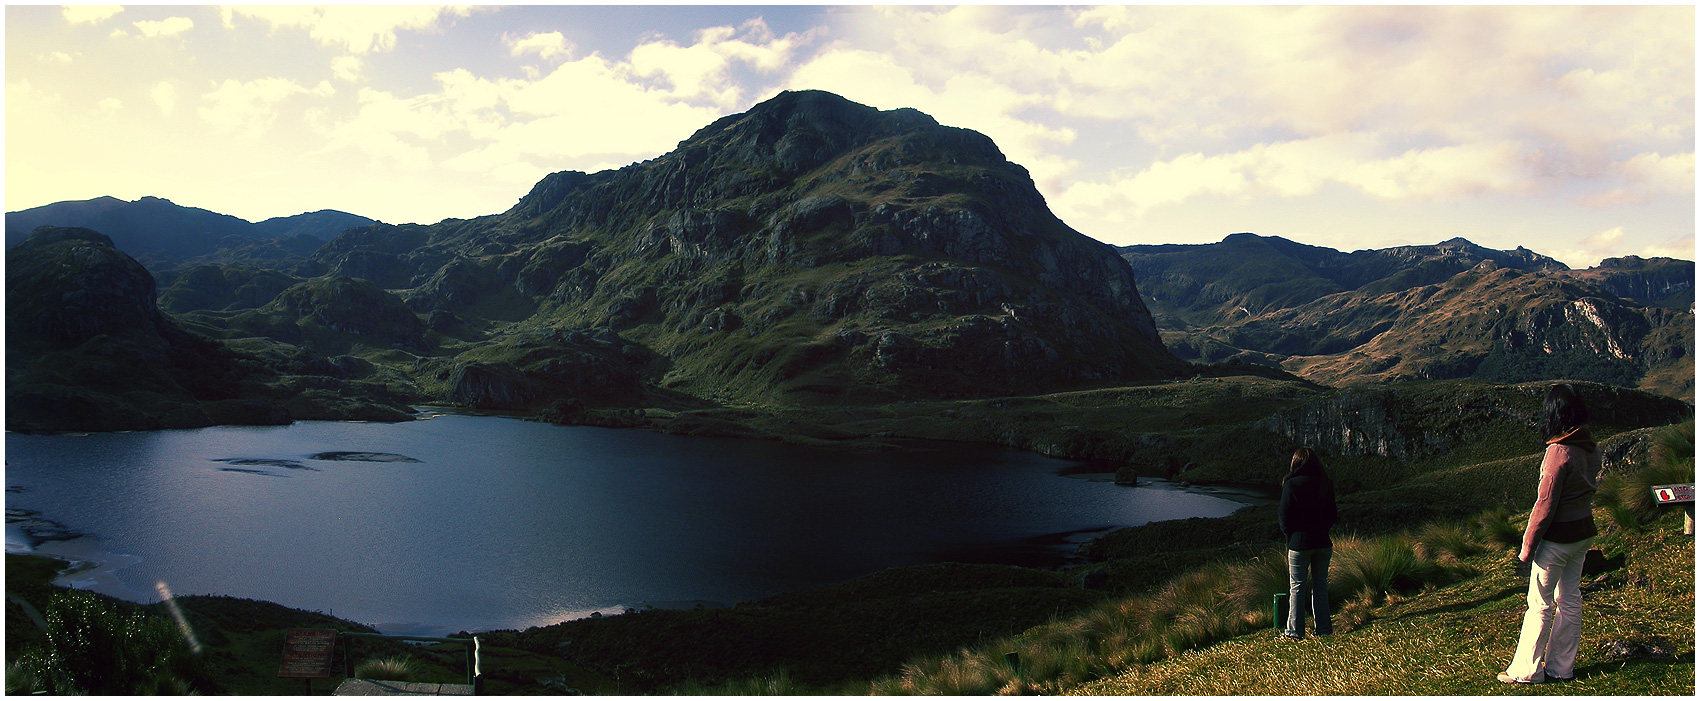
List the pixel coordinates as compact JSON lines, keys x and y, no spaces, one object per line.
{"x":87,"y":348}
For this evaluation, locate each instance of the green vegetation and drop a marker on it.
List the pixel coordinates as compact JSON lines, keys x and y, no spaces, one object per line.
{"x":95,"y":645}
{"x":1628,"y":497}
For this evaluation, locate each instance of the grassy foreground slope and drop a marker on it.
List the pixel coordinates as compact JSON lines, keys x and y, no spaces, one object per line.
{"x":1637,"y":638}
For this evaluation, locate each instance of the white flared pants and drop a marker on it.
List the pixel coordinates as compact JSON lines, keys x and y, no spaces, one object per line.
{"x":1552,"y":628}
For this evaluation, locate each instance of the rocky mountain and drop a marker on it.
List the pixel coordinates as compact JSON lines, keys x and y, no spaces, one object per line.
{"x":163,"y":235}
{"x":1452,"y":310}
{"x":811,"y":249}
{"x":88,"y":348}
{"x":1658,"y":282}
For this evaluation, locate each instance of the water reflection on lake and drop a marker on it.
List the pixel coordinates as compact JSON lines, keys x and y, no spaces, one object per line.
{"x":501,"y":523}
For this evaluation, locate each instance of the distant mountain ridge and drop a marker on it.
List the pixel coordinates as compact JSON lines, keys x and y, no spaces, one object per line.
{"x":1450,"y":310}
{"x":810,"y":250}
{"x":162,"y":234}
{"x":816,"y":252}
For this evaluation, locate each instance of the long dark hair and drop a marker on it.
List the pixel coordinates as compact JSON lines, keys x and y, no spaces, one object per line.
{"x":1562,"y":410}
{"x":1304,"y":458}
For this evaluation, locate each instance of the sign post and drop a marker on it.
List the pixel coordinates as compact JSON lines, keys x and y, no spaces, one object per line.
{"x":1678,"y":494}
{"x":307,"y":654}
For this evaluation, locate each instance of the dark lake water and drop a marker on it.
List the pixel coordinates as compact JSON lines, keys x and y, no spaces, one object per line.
{"x":502,"y":523}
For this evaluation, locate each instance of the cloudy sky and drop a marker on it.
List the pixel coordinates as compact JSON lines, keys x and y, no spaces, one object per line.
{"x":1567,"y":130}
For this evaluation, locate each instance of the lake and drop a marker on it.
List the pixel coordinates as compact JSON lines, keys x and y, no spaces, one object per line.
{"x":476,"y":523}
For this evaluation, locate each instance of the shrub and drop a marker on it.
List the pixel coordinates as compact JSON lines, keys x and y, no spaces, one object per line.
{"x":98,"y":646}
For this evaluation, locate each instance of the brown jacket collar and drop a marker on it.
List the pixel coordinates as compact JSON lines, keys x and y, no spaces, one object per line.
{"x":1577,"y":437}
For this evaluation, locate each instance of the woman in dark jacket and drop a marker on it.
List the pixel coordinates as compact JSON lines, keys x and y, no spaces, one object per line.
{"x":1561,"y":529}
{"x":1307,"y":512}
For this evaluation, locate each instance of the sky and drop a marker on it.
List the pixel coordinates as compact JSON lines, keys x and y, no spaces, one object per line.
{"x":1566,"y":130}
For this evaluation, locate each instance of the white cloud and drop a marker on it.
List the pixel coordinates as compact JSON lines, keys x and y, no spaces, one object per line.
{"x":56,"y":57}
{"x":355,"y":29}
{"x":110,"y":106}
{"x":250,"y":108}
{"x":1672,"y":174}
{"x":1681,"y":247}
{"x":1592,"y":249}
{"x":347,"y":68}
{"x":702,"y":70}
{"x":1297,"y":169}
{"x":171,"y":26}
{"x":92,"y":14}
{"x":164,"y":96}
{"x":546,"y":46}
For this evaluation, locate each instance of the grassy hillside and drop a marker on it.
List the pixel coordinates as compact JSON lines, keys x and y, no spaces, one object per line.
{"x":1637,"y":638}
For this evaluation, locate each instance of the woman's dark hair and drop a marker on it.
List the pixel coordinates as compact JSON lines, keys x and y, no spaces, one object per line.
{"x":1562,"y":410}
{"x":1304,"y":458}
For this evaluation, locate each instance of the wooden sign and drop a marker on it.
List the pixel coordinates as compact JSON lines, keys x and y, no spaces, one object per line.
{"x":1673,"y":493}
{"x":307,"y":653}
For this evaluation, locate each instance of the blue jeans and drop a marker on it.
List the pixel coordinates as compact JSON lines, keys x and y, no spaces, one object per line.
{"x":1307,"y":577}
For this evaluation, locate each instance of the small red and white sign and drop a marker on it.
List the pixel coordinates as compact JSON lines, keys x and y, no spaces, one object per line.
{"x":1673,"y":493}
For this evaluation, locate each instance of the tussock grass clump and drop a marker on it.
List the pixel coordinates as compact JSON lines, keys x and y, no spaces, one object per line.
{"x":1380,"y":566}
{"x":399,"y":668}
{"x":1500,"y":528}
{"x":1628,"y":497}
{"x":1447,"y":542}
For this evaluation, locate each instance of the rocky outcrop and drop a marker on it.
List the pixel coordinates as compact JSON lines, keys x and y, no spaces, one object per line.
{"x":1416,"y":422}
{"x":1660,"y":282}
{"x":221,"y":288}
{"x":354,"y":307}
{"x":528,"y":371}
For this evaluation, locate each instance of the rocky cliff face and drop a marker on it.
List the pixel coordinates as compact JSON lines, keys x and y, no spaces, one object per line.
{"x":1418,"y":422}
{"x":810,"y":248}
{"x":1660,"y":282}
{"x":1453,"y":310}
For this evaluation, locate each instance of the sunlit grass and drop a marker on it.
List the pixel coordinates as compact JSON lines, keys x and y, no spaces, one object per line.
{"x":1452,"y":640}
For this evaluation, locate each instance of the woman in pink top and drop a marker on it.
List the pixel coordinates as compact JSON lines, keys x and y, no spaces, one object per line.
{"x":1561,"y":529}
